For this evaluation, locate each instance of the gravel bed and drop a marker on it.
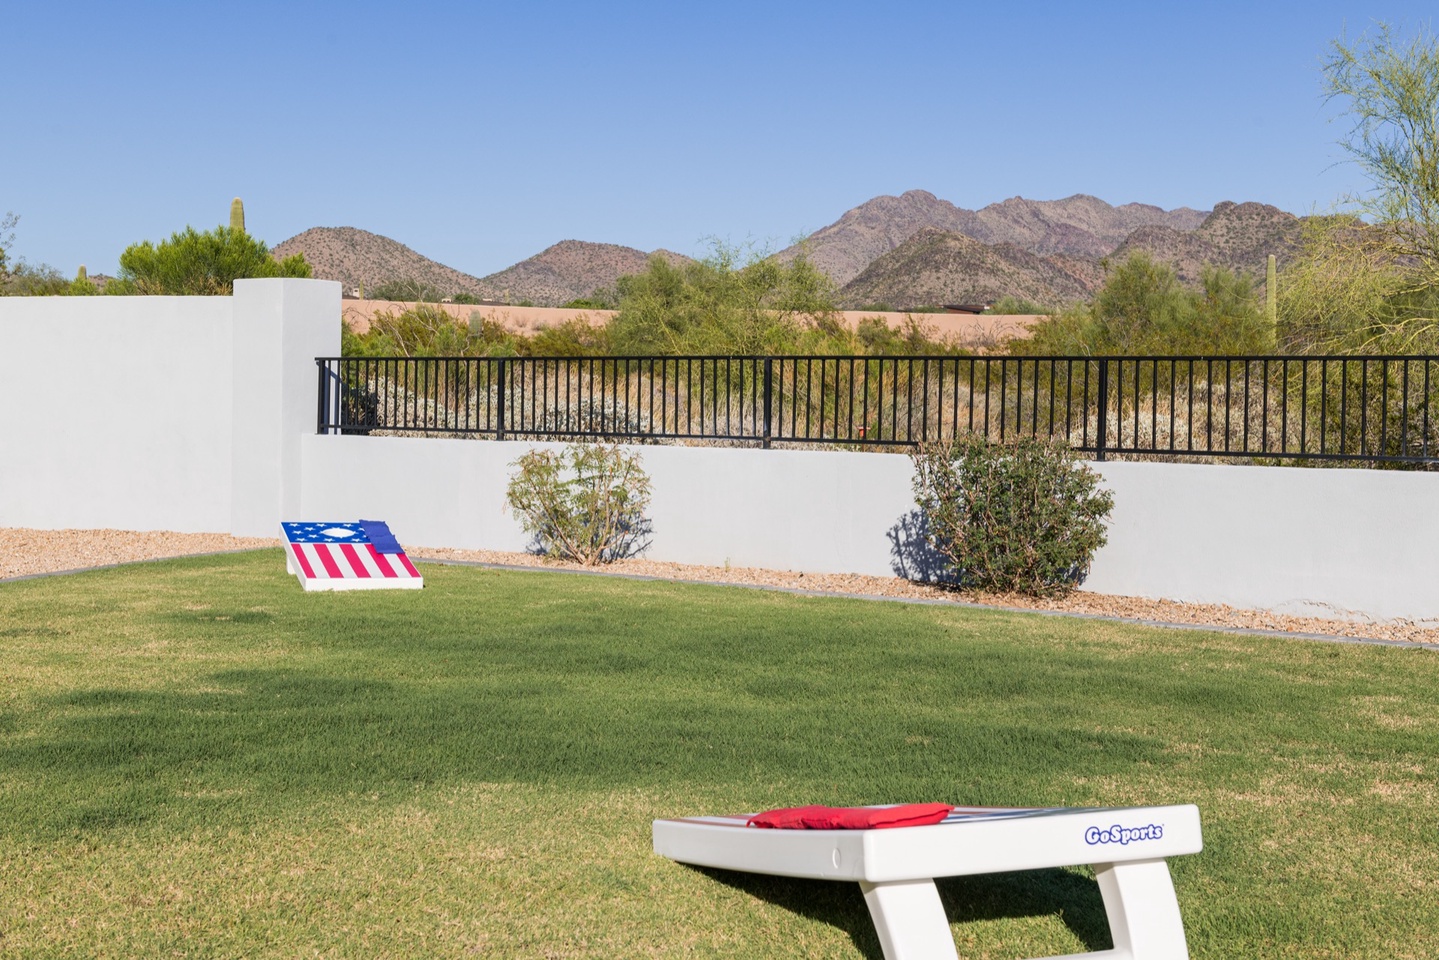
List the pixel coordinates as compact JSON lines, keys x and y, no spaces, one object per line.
{"x":27,"y":552}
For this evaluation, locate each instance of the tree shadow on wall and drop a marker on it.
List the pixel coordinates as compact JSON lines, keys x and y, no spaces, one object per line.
{"x":912,"y":555}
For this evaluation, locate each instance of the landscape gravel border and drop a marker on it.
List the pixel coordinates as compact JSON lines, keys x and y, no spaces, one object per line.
{"x":27,"y":554}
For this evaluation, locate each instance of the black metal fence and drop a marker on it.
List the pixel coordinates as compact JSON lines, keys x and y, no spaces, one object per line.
{"x":1376,"y":409}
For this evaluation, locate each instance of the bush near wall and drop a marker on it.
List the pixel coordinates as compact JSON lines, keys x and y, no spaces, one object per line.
{"x":1024,"y":516}
{"x":585,"y":502}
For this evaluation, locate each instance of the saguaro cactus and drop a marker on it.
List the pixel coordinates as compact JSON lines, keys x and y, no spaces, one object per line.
{"x":1271,"y":292}
{"x":237,"y":215}
{"x":81,"y":275}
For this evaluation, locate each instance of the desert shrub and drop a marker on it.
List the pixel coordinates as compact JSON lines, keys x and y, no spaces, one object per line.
{"x":876,"y":338}
{"x":33,"y":280}
{"x":424,"y":330}
{"x":21,"y":279}
{"x":1144,"y":310}
{"x":573,"y":338}
{"x":406,"y":290}
{"x":1024,"y":516}
{"x":601,"y":298}
{"x":584,"y":502}
{"x":1010,"y":305}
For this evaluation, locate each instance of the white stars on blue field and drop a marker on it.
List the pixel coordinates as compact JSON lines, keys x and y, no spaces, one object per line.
{"x":325,"y":533}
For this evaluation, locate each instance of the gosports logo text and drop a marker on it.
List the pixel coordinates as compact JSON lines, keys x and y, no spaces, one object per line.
{"x":1123,"y":835}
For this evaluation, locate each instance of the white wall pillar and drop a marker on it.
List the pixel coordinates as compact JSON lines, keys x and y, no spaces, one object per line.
{"x":280,"y":327}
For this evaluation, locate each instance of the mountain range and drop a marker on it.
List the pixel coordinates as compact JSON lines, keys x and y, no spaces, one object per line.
{"x":907,"y":251}
{"x":1080,"y":225}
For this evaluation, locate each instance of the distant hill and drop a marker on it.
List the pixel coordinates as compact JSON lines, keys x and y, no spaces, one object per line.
{"x":1080,"y":225}
{"x":1239,"y":236}
{"x":937,"y":266}
{"x":566,"y":271}
{"x":362,"y":260}
{"x":569,"y":270}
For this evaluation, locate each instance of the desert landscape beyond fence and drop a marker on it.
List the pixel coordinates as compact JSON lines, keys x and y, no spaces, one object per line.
{"x":1362,"y":409}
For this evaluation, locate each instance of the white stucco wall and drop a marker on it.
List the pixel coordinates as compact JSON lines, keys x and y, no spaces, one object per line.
{"x":1352,"y":542}
{"x":1319,"y":541}
{"x":116,"y":412}
{"x":161,"y":413}
{"x":813,"y":511}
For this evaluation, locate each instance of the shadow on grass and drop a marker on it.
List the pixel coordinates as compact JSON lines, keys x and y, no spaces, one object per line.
{"x":244,"y":744}
{"x":1072,"y":898}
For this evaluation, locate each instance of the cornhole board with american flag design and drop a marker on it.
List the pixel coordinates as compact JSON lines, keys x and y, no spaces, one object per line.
{"x":1128,"y":848}
{"x":362,"y":555}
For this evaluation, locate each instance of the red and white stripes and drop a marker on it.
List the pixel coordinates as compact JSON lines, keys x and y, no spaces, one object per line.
{"x":351,"y":566}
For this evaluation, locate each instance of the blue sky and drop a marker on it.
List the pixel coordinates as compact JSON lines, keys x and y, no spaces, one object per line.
{"x":480,"y":133}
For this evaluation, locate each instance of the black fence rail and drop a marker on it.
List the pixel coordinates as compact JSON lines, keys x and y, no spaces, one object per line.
{"x":1376,"y":409}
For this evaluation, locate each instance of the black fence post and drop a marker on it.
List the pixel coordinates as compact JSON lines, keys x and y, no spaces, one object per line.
{"x":500,"y":400}
{"x":1101,"y":434}
{"x":323,"y":399}
{"x":768,"y":398}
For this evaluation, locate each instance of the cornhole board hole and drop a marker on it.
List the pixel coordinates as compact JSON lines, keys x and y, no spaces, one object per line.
{"x":361,"y":555}
{"x":896,"y":868}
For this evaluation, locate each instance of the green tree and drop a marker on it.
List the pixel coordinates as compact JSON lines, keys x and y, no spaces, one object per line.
{"x":1143,"y":309}
{"x":1389,"y":88}
{"x":737,"y":300}
{"x":1342,"y":290}
{"x":200,"y":264}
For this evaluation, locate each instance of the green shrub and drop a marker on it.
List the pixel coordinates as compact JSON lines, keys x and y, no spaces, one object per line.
{"x":585,"y":502}
{"x":1023,"y":517}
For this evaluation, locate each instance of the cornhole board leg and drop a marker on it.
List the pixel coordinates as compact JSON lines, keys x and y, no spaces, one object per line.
{"x":910,"y":920}
{"x":1143,"y":911}
{"x":1139,"y":899}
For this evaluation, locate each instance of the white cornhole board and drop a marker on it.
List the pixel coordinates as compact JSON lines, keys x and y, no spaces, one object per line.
{"x":340,"y":555}
{"x":896,"y":867}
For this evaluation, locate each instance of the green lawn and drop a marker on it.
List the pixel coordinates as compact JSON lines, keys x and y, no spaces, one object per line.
{"x":197,"y":759}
